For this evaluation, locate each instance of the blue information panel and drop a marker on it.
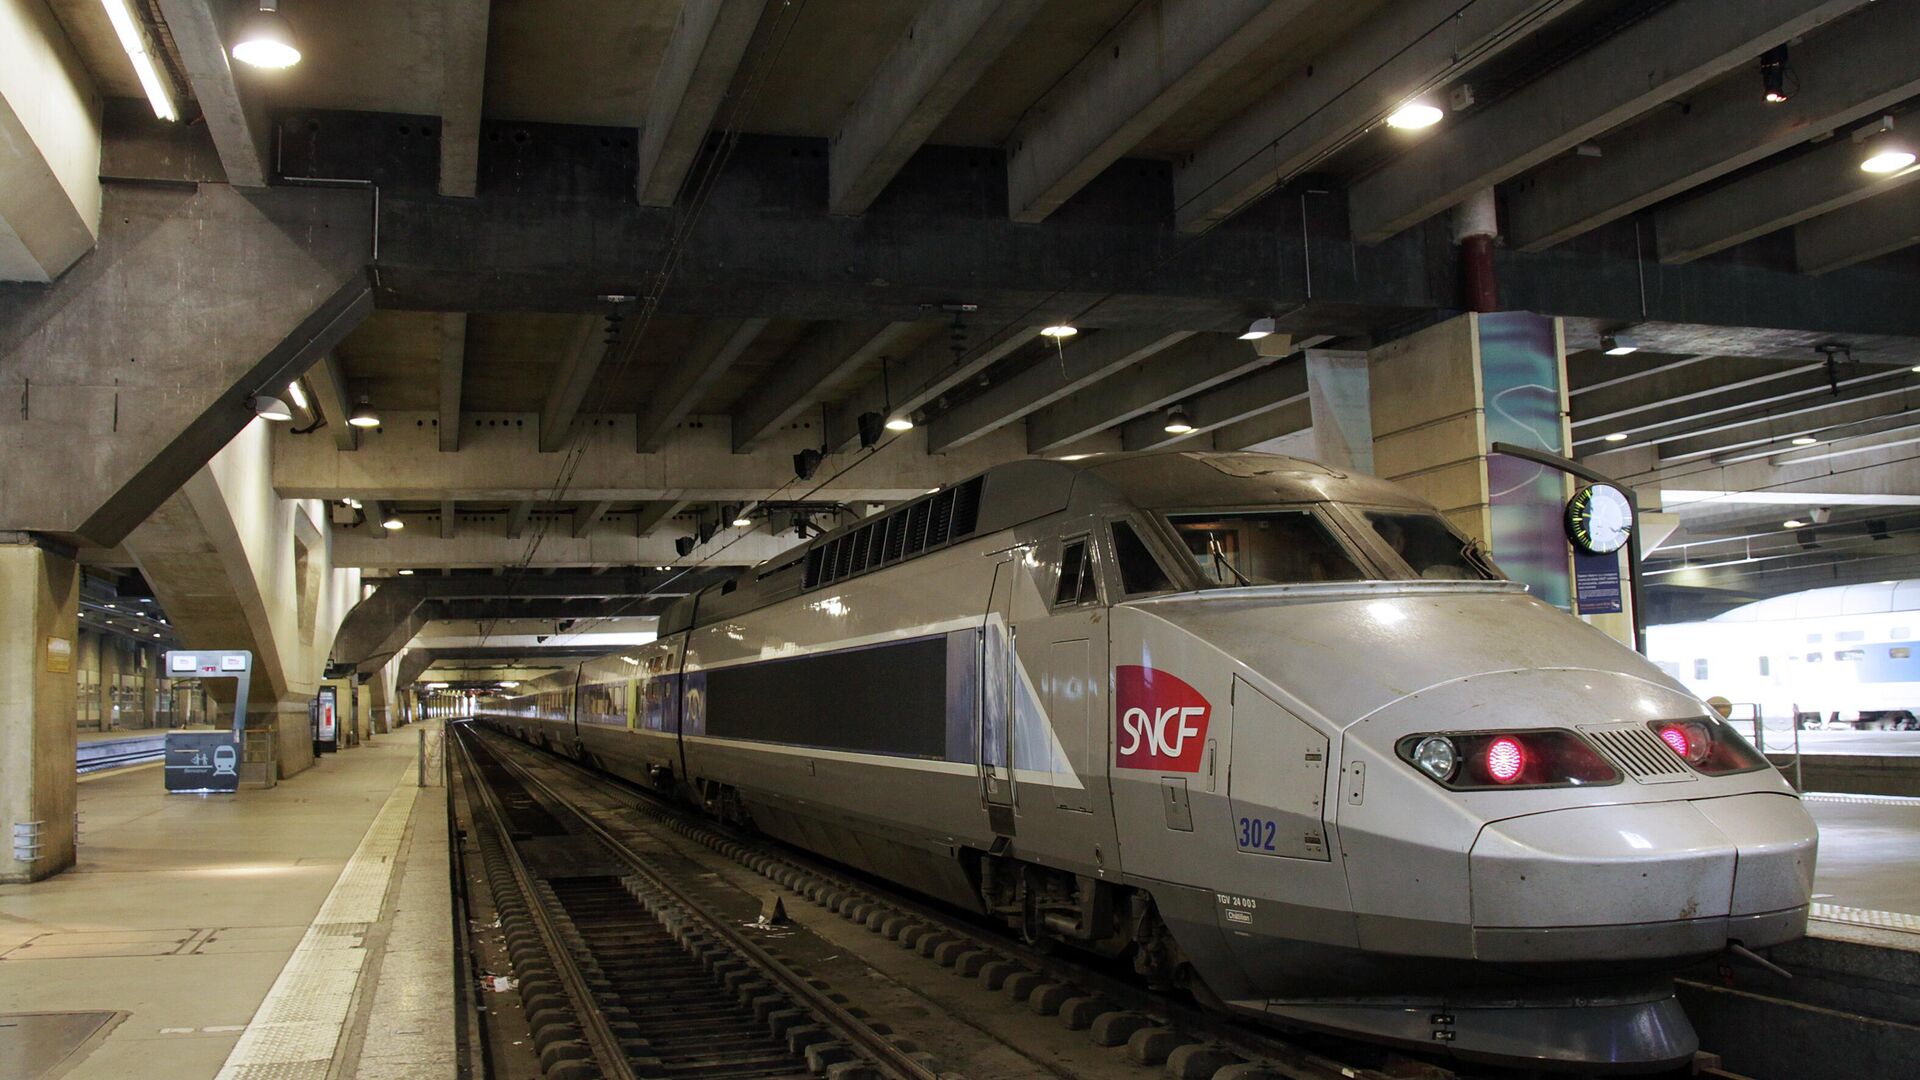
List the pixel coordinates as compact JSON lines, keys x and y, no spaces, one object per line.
{"x":1596,"y":582}
{"x":203,"y":761}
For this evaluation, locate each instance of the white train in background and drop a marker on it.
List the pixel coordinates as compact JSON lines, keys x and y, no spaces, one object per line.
{"x":1846,"y":656}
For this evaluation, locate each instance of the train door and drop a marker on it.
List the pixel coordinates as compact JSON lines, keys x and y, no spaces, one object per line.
{"x":1276,"y":780}
{"x":993,"y":729}
{"x":1070,"y":647}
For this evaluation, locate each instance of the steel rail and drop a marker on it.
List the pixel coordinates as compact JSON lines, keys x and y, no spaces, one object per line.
{"x":600,"y":1039}
{"x":890,"y":1059}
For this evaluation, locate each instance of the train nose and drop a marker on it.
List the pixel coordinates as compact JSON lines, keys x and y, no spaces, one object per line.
{"x":1644,"y":880}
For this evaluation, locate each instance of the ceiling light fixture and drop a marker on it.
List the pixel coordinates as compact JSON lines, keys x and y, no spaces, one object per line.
{"x":268,"y":407}
{"x":1805,"y":440}
{"x":404,"y":573}
{"x":1885,"y":151}
{"x":1618,"y":345}
{"x":1058,"y":331}
{"x":1793,"y":523}
{"x":1618,"y":436}
{"x":1777,"y":79}
{"x":133,"y":38}
{"x":1178,"y":422}
{"x":1258,"y":329}
{"x":899,"y":423}
{"x":265,"y":39}
{"x":1415,"y":115}
{"x":742,"y":521}
{"x":297,"y":395}
{"x":393,"y":522}
{"x":363,"y":414}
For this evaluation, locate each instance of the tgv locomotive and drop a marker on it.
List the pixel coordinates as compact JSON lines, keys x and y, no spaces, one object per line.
{"x":1274,"y":732}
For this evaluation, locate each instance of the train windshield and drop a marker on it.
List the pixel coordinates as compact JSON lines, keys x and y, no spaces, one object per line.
{"x":1430,"y":547}
{"x":1266,"y":547}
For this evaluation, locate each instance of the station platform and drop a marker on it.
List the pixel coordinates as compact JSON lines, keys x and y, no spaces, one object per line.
{"x":1868,"y":872}
{"x":1853,"y":762}
{"x":297,"y":931}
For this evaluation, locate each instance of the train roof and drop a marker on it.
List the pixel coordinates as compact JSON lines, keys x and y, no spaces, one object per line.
{"x":1872,"y":598}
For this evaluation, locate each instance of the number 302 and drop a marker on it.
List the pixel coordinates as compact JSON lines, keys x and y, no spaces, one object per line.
{"x":1256,"y":834}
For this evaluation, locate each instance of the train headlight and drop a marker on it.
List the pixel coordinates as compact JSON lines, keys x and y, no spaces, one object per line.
{"x":1436,"y":757}
{"x":1490,"y":760}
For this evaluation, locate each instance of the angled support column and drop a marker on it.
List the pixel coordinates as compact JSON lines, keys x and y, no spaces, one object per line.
{"x":235,"y":116}
{"x":708,"y":43}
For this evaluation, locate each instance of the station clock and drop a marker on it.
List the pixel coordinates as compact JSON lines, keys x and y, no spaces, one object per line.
{"x":1599,"y":519}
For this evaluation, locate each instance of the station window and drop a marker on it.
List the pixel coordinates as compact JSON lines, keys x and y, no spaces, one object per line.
{"x":1699,"y":669}
{"x":1076,"y":575}
{"x":1140,"y":572}
{"x":1765,"y":667}
{"x":1850,"y":654}
{"x":1900,"y":652}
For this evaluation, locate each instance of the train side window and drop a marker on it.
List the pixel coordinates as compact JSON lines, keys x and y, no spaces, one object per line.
{"x":1900,"y":632}
{"x":1765,"y":668}
{"x":1814,"y":639}
{"x":1899,"y":652}
{"x":1850,"y":654}
{"x":1699,"y":669}
{"x":1850,"y":635}
{"x":1815,"y":657}
{"x":1076,"y":575}
{"x":1140,"y":572}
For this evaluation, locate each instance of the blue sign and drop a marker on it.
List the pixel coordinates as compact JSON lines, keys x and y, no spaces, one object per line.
{"x":1596,"y":582}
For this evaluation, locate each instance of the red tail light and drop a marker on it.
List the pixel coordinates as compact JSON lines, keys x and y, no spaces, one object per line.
{"x":1675,"y":736}
{"x":1709,"y":745}
{"x":1506,"y":758}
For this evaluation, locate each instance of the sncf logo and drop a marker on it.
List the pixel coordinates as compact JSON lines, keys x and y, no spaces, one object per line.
{"x":1163,"y":721}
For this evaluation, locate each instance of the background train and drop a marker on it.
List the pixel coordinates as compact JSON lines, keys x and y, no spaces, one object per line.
{"x":1844,"y":656}
{"x":1272,"y":731}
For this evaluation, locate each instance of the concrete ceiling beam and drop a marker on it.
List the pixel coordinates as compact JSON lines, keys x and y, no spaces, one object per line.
{"x":945,"y":50}
{"x":453,"y":368}
{"x":1079,"y":364}
{"x":919,"y":379}
{"x":235,"y":115}
{"x":656,"y":513}
{"x":463,"y":80}
{"x":1278,"y":387}
{"x":1193,"y":366}
{"x":709,"y":40}
{"x":555,"y":607}
{"x":686,"y":383}
{"x":573,"y":376}
{"x":1817,"y":182}
{"x":1289,"y":419}
{"x":330,"y":395}
{"x":1775,"y":431}
{"x":1867,"y":231}
{"x":1164,"y":55}
{"x":49,"y":148}
{"x":517,"y":519}
{"x":449,"y":518}
{"x":1664,"y":55}
{"x":1663,"y":391}
{"x":1738,"y":403}
{"x":817,"y":367}
{"x":588,"y":516}
{"x":1592,"y":373}
{"x":499,"y":464}
{"x":376,"y":515}
{"x":1855,"y":68}
{"x":1407,"y":48}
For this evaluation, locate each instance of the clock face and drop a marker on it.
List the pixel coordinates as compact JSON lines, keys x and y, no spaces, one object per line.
{"x":1599,"y":519}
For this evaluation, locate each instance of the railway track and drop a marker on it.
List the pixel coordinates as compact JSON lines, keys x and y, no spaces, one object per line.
{"x":1150,"y":1028}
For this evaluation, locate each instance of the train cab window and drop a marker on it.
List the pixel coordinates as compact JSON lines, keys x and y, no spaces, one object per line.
{"x":1429,"y":546}
{"x":1264,"y":547}
{"x":1699,"y":669}
{"x":1140,"y":572}
{"x":1076,"y":585}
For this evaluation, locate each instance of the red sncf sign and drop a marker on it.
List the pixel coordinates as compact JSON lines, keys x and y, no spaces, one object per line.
{"x":1162,"y":720}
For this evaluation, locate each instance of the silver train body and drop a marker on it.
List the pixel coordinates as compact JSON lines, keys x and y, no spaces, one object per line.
{"x":1046,"y":694}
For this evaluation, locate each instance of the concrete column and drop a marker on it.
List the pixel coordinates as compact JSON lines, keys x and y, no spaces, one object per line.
{"x":39,"y":628}
{"x":1443,"y":396}
{"x":293,"y":732}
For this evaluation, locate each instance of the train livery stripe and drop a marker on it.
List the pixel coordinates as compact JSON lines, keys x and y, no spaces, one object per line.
{"x":912,"y":698}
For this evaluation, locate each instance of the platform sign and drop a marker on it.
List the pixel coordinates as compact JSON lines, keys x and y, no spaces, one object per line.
{"x":1596,"y":582}
{"x":203,"y":761}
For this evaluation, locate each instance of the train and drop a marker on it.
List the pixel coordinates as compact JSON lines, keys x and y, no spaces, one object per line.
{"x":1841,"y":656}
{"x":1271,"y":731}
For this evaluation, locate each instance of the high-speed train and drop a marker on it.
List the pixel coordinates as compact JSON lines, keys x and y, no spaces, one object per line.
{"x":1273,"y":731}
{"x":1841,"y":656}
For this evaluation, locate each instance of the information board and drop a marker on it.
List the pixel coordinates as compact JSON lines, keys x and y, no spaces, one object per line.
{"x":203,"y":761}
{"x":1596,"y":582}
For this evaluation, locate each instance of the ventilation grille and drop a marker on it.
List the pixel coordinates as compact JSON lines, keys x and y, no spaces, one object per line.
{"x":1641,"y":753}
{"x":926,"y":525}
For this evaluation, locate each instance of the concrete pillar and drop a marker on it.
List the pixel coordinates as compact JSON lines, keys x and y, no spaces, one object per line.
{"x":289,"y":720}
{"x":1442,"y":397}
{"x":39,"y":627}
